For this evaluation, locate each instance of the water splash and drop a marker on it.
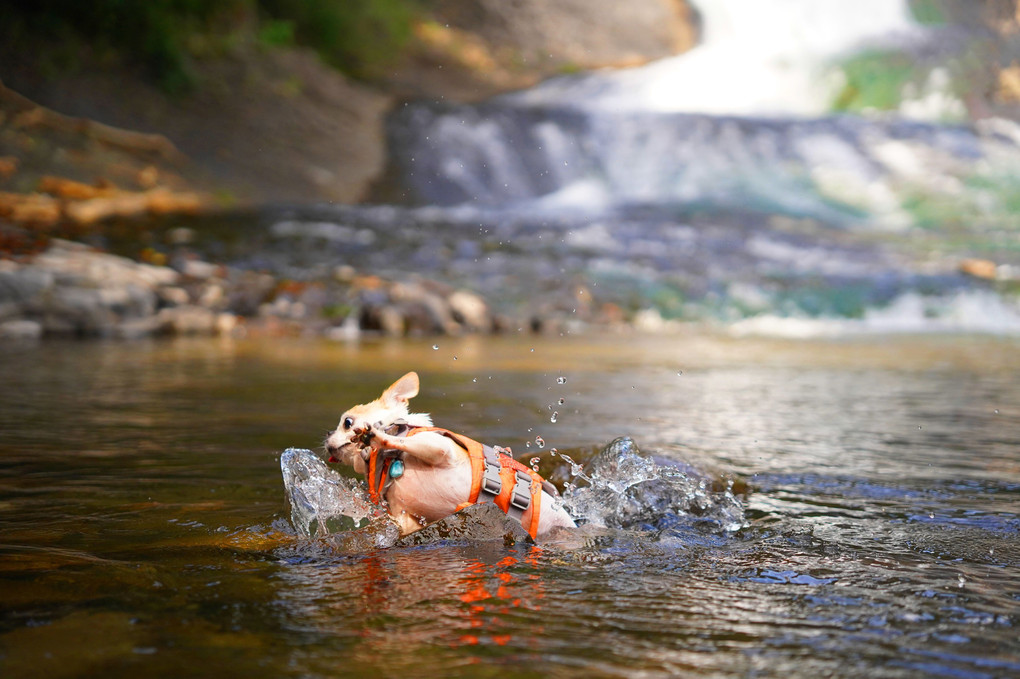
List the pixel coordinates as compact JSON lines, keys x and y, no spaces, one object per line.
{"x":338,"y":512}
{"x":627,"y":490}
{"x":321,"y":501}
{"x":623,"y":490}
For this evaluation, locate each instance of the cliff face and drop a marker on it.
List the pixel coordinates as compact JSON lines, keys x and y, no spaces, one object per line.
{"x":277,"y":125}
{"x":578,"y":33}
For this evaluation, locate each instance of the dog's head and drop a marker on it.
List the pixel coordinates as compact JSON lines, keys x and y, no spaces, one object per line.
{"x":347,"y":440}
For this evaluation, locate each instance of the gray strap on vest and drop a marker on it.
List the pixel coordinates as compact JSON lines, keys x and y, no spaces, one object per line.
{"x":492,"y":483}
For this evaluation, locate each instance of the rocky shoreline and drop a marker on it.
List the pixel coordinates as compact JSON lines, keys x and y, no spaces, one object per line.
{"x":73,"y":290}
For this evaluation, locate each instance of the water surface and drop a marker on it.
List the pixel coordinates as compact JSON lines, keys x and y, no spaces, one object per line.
{"x":143,"y":523}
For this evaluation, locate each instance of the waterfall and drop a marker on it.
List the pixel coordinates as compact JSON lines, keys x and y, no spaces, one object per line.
{"x":757,"y":58}
{"x":736,"y":122}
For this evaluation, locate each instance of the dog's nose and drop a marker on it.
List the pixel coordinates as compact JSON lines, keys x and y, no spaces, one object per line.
{"x":331,"y":445}
{"x":332,"y":448}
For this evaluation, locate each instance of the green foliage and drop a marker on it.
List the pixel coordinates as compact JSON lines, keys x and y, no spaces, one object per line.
{"x":151,"y":33}
{"x":928,"y":12}
{"x":273,"y":33}
{"x":359,"y":37}
{"x":875,"y":80}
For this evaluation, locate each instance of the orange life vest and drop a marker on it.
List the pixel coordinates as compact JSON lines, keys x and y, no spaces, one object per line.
{"x":512,"y":486}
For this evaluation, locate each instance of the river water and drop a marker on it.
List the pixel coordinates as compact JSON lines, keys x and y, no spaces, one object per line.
{"x":144,"y":528}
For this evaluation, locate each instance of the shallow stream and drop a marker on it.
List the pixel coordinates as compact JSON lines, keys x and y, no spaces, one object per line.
{"x":144,"y":528}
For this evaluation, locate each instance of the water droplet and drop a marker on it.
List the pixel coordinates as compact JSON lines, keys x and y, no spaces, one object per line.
{"x":561,"y":401}
{"x":555,"y":416}
{"x":527,"y":444}
{"x":435,"y":347}
{"x":474,"y":379}
{"x":996,"y":411}
{"x":455,"y":358}
{"x":931,"y":515}
{"x":679,"y":373}
{"x":961,"y":581}
{"x":553,"y":452}
{"x":534,"y":463}
{"x":540,"y":442}
{"x":919,"y":427}
{"x":532,"y":349}
{"x":561,"y":380}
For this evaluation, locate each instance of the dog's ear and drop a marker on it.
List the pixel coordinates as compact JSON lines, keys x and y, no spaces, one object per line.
{"x":401,"y":391}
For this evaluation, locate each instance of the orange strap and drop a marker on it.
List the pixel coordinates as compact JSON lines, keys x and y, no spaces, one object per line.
{"x":509,"y":477}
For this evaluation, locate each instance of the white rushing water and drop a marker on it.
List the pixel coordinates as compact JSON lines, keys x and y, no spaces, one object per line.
{"x":621,"y":489}
{"x":974,"y":312}
{"x":742,"y":120}
{"x":757,"y":57}
{"x":724,"y":176}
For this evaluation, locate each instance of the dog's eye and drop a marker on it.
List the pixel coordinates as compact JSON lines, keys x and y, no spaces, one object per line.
{"x":348,"y":423}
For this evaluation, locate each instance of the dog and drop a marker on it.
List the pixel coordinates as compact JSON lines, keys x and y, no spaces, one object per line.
{"x":423,"y":473}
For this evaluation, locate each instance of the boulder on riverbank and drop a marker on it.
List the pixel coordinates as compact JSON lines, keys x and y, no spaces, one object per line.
{"x":72,"y":290}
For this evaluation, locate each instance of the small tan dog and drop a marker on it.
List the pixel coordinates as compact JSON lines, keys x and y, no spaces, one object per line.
{"x":424,"y":473}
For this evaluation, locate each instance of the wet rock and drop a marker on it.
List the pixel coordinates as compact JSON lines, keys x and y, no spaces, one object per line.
{"x":213,"y":295}
{"x":586,"y":33}
{"x":248,"y":291}
{"x":78,"y":261}
{"x":173,"y":295}
{"x":72,"y":289}
{"x":195,"y":268}
{"x":32,"y":208}
{"x":470,"y":310}
{"x":348,"y":331}
{"x":979,"y":268}
{"x":138,"y":328}
{"x":189,"y":320}
{"x":20,"y":330}
{"x":426,"y":312}
{"x":226,"y":323}
{"x":19,"y":285}
{"x":390,"y":320}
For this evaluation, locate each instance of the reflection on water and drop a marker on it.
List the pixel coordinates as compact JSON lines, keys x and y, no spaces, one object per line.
{"x":143,"y":528}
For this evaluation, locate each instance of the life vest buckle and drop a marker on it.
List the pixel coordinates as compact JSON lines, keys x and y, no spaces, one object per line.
{"x":521,"y":496}
{"x":492,"y":483}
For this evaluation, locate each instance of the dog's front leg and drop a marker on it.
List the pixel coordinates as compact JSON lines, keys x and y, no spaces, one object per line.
{"x":429,"y":447}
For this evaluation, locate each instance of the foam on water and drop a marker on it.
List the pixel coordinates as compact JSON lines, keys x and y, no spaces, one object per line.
{"x":967,"y":311}
{"x":624,"y":489}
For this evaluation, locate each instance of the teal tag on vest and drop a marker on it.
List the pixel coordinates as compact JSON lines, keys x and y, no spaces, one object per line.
{"x":396,"y":469}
